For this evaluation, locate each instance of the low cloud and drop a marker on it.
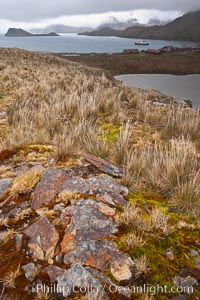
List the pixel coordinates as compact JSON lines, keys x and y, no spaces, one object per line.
{"x":93,"y":20}
{"x":36,"y":10}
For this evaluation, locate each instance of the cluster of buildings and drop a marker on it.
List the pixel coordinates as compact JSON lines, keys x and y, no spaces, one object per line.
{"x":166,"y":49}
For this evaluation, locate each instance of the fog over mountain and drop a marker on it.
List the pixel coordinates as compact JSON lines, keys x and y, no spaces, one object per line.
{"x":36,"y":14}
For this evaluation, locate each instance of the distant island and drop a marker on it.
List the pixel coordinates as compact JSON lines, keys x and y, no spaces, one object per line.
{"x":185,"y":28}
{"x":18,"y":32}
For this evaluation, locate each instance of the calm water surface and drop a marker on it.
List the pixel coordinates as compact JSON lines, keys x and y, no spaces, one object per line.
{"x":73,"y":43}
{"x":187,"y":86}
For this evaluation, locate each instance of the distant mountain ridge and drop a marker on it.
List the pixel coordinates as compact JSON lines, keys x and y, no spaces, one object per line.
{"x":113,"y":23}
{"x":185,"y":28}
{"x":61,"y":29}
{"x":18,"y":32}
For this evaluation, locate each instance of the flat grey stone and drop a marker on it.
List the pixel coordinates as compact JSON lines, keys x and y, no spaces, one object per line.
{"x":77,"y":276}
{"x":4,"y":186}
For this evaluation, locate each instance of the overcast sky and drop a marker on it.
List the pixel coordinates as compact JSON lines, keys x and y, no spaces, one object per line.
{"x":34,"y":13}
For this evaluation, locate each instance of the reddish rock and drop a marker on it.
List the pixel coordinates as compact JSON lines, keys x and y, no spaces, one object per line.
{"x":169,"y":255}
{"x":112,"y":199}
{"x":102,"y":165}
{"x":47,"y":189}
{"x":53,"y":272}
{"x":105,"y":209}
{"x":87,"y":222}
{"x":102,"y":255}
{"x":122,"y":267}
{"x":95,"y":254}
{"x":4,"y":154}
{"x":43,"y":239}
{"x":67,"y":243}
{"x":55,"y":181}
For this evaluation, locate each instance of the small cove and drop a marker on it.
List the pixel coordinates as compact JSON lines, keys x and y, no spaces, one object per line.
{"x":186,"y":86}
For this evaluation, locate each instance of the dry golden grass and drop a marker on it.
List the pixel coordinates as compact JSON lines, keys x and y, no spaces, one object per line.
{"x":68,"y":197}
{"x":7,"y":235}
{"x":95,"y":145}
{"x":46,"y":213}
{"x":186,"y":197}
{"x":24,"y":183}
{"x":57,"y":93}
{"x":142,"y":266}
{"x":182,"y":122}
{"x":9,"y":281}
{"x":148,"y":114}
{"x":25,"y":213}
{"x":122,"y":144}
{"x":130,"y":216}
{"x":133,"y":240}
{"x":158,"y":223}
{"x":64,"y":104}
{"x":162,"y":167}
{"x":42,"y":296}
{"x":4,"y":221}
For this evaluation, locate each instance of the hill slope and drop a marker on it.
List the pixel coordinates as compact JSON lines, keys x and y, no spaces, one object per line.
{"x":185,"y":28}
{"x":62,"y":220}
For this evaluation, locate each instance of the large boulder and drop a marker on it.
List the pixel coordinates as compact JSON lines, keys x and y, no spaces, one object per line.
{"x":87,"y":223}
{"x":43,"y":239}
{"x":46,"y":190}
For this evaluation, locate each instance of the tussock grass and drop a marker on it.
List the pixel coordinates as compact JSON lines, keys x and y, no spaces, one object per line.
{"x":142,"y":266}
{"x":131,"y":215}
{"x":163,"y":166}
{"x":95,"y":144}
{"x":63,"y":104}
{"x":186,"y":197}
{"x":158,"y":222}
{"x":122,"y":144}
{"x":133,"y":240}
{"x":7,"y":235}
{"x":46,"y":213}
{"x":9,"y":281}
{"x":57,"y":93}
{"x":182,"y":122}
{"x":4,"y":221}
{"x":25,"y":213}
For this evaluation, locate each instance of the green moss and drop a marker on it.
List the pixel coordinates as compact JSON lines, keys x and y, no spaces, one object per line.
{"x":161,"y":269}
{"x":151,"y":199}
{"x":110,"y":131}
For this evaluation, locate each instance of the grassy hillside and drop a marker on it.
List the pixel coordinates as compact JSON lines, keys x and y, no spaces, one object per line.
{"x":185,"y":28}
{"x":62,"y":215}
